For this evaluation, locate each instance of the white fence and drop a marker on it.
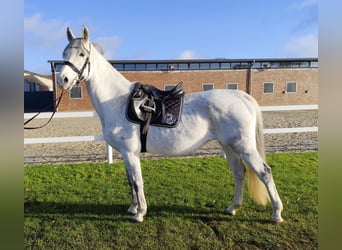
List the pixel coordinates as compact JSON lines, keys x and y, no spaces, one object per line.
{"x":109,"y":148}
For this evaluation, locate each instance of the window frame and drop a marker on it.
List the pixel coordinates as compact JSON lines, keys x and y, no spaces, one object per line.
{"x":207,"y":84}
{"x":231,"y":84}
{"x":81,"y":93}
{"x":263,"y":88}
{"x":287,"y":87}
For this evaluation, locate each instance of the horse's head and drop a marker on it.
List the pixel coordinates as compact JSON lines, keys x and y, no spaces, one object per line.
{"x":76,"y":56}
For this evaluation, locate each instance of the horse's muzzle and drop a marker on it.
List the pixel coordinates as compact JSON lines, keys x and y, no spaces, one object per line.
{"x":65,"y":82}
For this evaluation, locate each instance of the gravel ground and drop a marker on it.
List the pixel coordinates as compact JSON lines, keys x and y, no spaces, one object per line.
{"x":96,"y":152}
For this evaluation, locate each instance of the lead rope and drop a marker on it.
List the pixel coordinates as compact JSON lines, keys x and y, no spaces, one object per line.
{"x":29,"y":120}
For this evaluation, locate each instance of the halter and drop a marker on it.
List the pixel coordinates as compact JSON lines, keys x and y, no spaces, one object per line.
{"x":79,"y":72}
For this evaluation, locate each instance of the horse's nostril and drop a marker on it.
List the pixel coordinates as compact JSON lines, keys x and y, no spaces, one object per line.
{"x":65,"y":79}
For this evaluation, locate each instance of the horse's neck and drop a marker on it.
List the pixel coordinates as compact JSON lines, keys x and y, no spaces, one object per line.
{"x":107,"y":88}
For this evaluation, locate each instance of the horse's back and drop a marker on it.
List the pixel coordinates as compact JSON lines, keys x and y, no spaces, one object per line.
{"x":221,"y":100}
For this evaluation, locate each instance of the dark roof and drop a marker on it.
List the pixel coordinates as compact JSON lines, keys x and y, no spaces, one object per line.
{"x":208,"y":60}
{"x":216,"y":60}
{"x":205,"y":64}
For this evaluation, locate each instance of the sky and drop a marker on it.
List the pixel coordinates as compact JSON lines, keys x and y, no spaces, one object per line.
{"x":177,"y":29}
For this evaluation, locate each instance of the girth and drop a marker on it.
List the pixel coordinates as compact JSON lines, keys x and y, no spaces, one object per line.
{"x":149,"y":105}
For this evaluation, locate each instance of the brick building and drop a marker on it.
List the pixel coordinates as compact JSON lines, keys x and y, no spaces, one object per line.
{"x":290,"y":81}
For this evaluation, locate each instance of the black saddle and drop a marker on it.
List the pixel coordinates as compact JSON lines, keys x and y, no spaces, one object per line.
{"x":149,"y":105}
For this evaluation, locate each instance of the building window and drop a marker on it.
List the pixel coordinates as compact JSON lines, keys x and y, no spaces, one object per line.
{"x":268,"y":88}
{"x":207,"y":86}
{"x":162,"y":66}
{"x":26,"y":86}
{"x":118,"y":66}
{"x":194,"y":65}
{"x":151,"y":66}
{"x":173,"y":66}
{"x":291,"y":87}
{"x":214,"y":66}
{"x":313,"y":64}
{"x":204,"y":65}
{"x":31,"y":87}
{"x":183,"y":66}
{"x":304,"y":64}
{"x":76,"y":92}
{"x":233,"y":86}
{"x":141,"y":66}
{"x":225,"y":65}
{"x":235,"y":65}
{"x":129,"y":66}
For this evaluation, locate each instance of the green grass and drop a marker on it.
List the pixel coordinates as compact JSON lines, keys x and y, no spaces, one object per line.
{"x":83,"y":206}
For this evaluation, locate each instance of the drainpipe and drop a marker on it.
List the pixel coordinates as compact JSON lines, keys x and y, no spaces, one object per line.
{"x":249,"y":90}
{"x":54,"y":84}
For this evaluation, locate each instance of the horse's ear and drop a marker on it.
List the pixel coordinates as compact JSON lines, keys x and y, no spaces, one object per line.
{"x":85,"y":33}
{"x":70,"y":35}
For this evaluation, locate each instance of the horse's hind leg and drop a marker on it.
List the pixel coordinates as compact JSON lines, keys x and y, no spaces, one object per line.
{"x":264,"y":173}
{"x":238,"y":171}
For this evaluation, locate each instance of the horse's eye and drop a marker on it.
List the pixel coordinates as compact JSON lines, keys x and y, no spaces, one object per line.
{"x":81,"y":54}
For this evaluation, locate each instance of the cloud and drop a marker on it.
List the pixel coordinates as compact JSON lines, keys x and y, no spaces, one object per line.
{"x":109,"y":44}
{"x":302,"y":46}
{"x":187,"y":54}
{"x":309,"y":14}
{"x":42,"y":32}
{"x":305,"y":4}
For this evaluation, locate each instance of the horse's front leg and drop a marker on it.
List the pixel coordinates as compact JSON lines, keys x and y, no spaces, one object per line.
{"x":133,"y":169}
{"x":133,"y":209}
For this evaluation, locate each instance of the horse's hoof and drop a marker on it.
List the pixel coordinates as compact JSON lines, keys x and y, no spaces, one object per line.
{"x":276,"y":216}
{"x":230,"y":211}
{"x":138,"y":218}
{"x":277,"y":220}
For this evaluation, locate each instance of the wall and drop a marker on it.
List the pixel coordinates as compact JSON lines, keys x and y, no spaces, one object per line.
{"x":192,"y":80}
{"x":306,"y":79}
{"x":67,"y":104}
{"x":307,"y":86}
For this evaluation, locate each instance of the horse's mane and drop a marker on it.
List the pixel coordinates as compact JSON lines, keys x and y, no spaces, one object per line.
{"x":98,"y":48}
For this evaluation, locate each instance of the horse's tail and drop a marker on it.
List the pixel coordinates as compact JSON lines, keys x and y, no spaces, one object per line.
{"x":256,"y":187}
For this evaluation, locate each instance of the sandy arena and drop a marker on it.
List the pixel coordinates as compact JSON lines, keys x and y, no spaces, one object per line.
{"x":96,"y":151}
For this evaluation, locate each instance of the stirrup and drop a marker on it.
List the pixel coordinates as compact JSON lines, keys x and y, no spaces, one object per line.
{"x":149,"y":108}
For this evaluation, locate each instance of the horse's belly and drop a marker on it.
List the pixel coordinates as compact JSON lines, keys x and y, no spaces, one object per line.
{"x":179,"y":140}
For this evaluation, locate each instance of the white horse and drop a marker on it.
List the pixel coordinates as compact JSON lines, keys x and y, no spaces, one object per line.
{"x":232,"y":118}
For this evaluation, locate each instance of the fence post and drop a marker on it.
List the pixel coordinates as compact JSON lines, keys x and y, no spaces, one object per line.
{"x":109,"y":150}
